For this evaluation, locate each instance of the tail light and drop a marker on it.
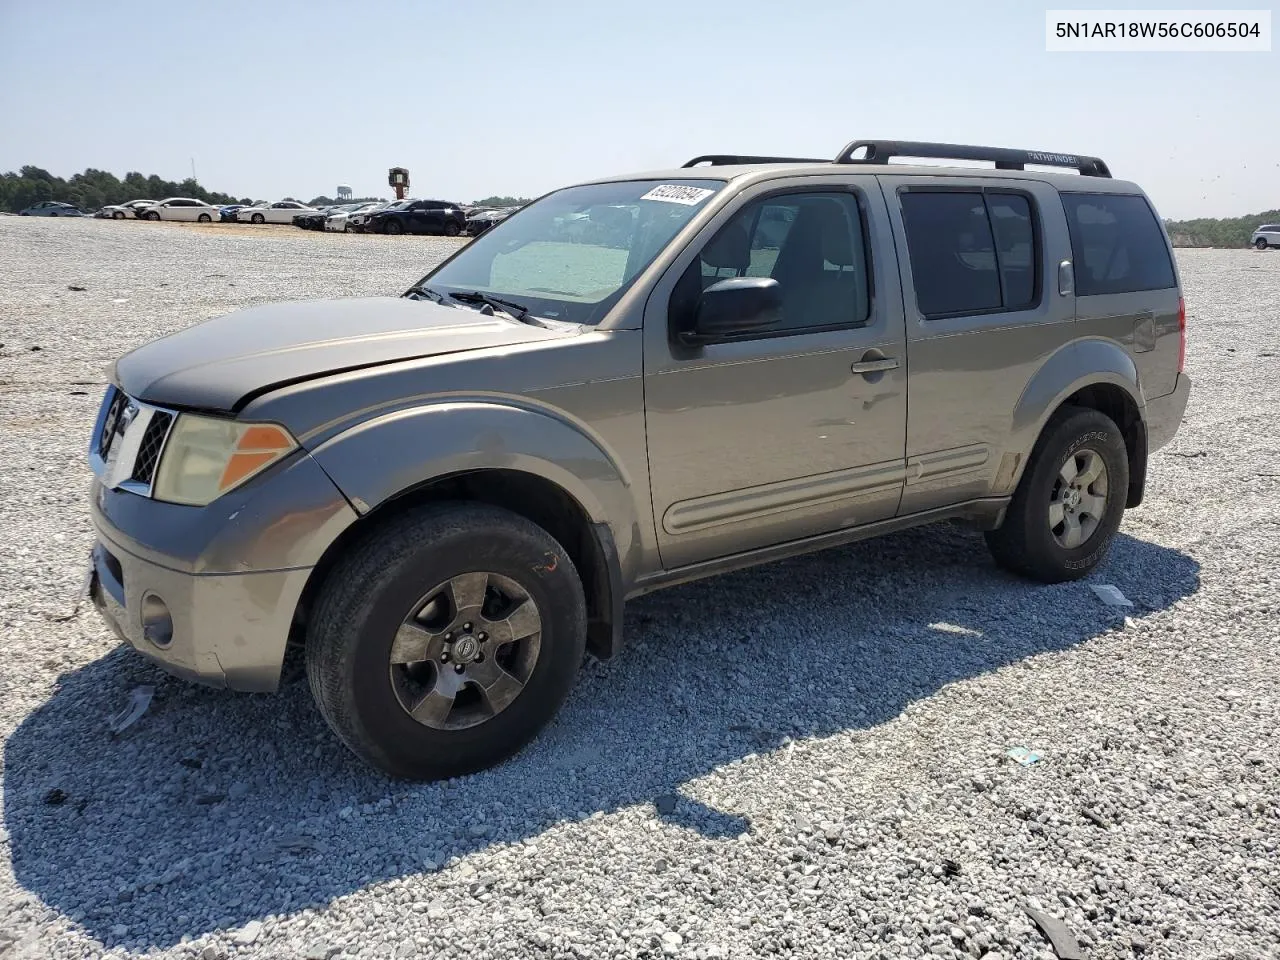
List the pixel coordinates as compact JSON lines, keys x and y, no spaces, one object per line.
{"x":1182,"y":334}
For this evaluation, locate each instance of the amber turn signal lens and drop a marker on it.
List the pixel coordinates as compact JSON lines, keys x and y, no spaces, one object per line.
{"x":259,"y":445}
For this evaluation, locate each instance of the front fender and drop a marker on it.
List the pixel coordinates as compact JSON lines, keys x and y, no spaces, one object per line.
{"x":385,"y":456}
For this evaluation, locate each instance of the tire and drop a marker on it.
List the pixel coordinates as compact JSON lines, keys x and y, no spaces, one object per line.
{"x":1026,"y":543}
{"x":258,"y":218}
{"x":392,"y":228}
{"x":368,"y":598}
{"x":117,"y":215}
{"x":1261,"y":243}
{"x":204,"y":218}
{"x":152,"y":215}
{"x":451,"y":229}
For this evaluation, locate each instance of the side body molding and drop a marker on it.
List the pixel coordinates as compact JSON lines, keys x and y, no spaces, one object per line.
{"x":1071,"y":368}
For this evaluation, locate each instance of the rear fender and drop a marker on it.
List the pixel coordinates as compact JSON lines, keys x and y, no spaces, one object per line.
{"x":1070,"y":369}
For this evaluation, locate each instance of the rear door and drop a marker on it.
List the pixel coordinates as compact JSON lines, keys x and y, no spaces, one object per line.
{"x":1126,"y":283}
{"x":793,"y":432}
{"x":978,"y":261}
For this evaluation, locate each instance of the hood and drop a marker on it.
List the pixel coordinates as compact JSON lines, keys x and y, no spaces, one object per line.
{"x":218,"y":364}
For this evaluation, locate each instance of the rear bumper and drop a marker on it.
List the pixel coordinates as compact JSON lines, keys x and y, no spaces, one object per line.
{"x":1164,"y":414}
{"x":222,"y":630}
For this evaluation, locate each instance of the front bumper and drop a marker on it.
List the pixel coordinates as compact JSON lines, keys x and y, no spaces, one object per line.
{"x":227,"y":630}
{"x":210,"y":593}
{"x":1164,"y":414}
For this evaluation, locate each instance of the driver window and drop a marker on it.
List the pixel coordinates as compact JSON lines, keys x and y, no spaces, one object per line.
{"x":811,"y":243}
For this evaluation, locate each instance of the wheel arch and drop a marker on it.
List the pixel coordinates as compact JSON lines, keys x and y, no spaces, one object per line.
{"x":589,"y":544}
{"x":530,"y":462}
{"x":1096,"y":374}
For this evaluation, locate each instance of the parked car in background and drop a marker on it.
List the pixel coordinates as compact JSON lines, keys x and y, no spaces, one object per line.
{"x":419,"y":216}
{"x":313,"y":219}
{"x":478,"y":221}
{"x":358,"y":221}
{"x":282,"y":211}
{"x":227,"y":213}
{"x":51,"y":208}
{"x":1268,"y":235}
{"x":338,"y":221}
{"x":181,"y":208}
{"x":124,"y":211}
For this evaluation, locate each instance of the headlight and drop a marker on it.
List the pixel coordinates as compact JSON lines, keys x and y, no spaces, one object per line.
{"x":206,"y":457}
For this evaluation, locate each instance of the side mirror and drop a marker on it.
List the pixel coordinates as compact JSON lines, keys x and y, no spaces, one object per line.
{"x":735,"y":305}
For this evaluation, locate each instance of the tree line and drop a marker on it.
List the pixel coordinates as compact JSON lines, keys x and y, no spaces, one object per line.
{"x":97,"y":188}
{"x":1222,"y":232}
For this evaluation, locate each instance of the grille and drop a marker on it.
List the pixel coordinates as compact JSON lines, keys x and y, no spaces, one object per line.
{"x":144,"y":468}
{"x":111,"y":421}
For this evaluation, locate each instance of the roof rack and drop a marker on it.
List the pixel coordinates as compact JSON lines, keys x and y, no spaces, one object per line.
{"x":729,"y":159}
{"x":879,"y":151}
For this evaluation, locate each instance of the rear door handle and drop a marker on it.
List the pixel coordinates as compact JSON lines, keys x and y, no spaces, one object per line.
{"x":874,"y":366}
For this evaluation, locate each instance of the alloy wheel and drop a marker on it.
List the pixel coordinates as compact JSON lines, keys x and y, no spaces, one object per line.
{"x":466,"y":651}
{"x":1079,"y":499}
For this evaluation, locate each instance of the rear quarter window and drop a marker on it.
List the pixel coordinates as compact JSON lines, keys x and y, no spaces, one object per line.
{"x":1116,"y":244}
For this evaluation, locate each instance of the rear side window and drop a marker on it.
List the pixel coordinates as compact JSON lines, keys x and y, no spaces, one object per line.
{"x":1116,"y":244}
{"x":972,"y":252}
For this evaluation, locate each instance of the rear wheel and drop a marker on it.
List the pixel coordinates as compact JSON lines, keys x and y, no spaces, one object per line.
{"x":1070,"y":501}
{"x":258,"y":218}
{"x":451,"y":229}
{"x":392,"y":227}
{"x":442,"y":643}
{"x":1261,"y":243}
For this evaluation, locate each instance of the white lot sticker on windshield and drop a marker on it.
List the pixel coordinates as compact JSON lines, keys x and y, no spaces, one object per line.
{"x":674,"y":193}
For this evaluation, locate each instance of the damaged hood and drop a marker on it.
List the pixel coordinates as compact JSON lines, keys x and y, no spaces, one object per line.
{"x":215,"y":365}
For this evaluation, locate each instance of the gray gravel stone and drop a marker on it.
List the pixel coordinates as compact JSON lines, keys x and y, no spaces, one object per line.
{"x":868,"y":693}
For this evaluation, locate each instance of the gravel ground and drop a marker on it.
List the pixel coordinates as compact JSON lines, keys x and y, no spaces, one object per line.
{"x":807,"y":759}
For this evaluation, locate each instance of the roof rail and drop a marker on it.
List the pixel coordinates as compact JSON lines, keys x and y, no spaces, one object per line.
{"x":729,"y":159}
{"x":879,"y":151}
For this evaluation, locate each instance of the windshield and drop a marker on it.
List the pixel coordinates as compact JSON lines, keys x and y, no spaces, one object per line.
{"x":571,"y":255}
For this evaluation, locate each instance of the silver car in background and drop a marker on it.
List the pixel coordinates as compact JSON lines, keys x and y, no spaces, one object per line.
{"x":1267,"y":235}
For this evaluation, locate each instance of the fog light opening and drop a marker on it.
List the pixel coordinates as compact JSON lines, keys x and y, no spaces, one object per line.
{"x":157,"y":623}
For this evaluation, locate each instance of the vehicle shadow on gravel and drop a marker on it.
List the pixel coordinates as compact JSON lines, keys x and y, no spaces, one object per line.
{"x":216,"y":809}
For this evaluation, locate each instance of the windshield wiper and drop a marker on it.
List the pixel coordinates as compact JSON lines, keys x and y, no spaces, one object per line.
{"x":433,"y":295}
{"x":516,"y":310}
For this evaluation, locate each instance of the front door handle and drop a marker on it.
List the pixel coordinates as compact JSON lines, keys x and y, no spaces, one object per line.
{"x":878,"y":365}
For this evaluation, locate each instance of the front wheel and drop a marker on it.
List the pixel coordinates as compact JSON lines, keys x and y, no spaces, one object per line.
{"x":153,"y":216}
{"x":445,"y":640}
{"x":204,"y":218}
{"x":117,"y":215}
{"x":1261,"y":243}
{"x":1070,"y":501}
{"x":258,"y":218}
{"x":392,"y":227}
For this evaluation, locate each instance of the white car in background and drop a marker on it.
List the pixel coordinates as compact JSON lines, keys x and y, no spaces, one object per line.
{"x":282,"y":212}
{"x":1267,"y":235}
{"x":126,"y":211}
{"x":180,"y":208}
{"x":338,"y":222}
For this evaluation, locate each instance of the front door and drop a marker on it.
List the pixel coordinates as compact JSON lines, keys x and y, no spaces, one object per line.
{"x":792,"y":432}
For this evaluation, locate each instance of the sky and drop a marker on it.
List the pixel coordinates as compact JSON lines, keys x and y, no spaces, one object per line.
{"x":274,"y":98}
